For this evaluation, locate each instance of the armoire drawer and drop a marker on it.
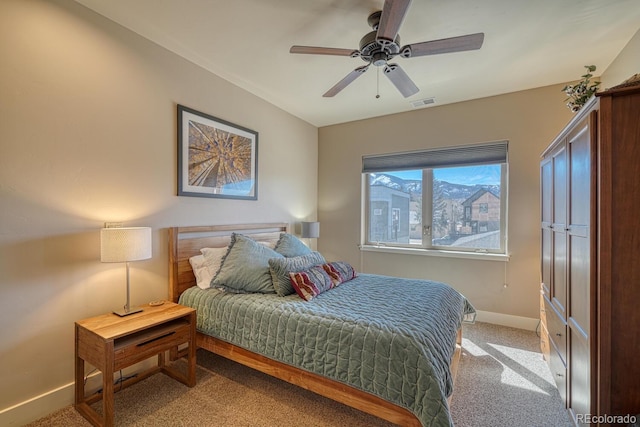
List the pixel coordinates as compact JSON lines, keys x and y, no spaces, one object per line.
{"x":557,"y":329}
{"x":559,"y":372}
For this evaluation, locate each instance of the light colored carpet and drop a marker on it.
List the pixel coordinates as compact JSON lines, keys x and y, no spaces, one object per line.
{"x":502,"y":380}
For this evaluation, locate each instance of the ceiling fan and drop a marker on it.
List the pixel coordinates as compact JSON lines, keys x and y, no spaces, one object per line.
{"x":382,"y":44}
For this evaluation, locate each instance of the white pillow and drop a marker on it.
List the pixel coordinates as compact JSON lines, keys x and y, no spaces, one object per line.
{"x":213,"y":258}
{"x":201,"y":271}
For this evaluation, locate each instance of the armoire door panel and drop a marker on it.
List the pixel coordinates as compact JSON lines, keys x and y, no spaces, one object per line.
{"x":560,"y":185}
{"x":546,"y":184}
{"x":580,"y":370}
{"x":559,"y":271}
{"x":579,"y":290}
{"x":546,"y":260}
{"x":580,"y":183}
{"x":546,"y":205}
{"x":580,"y":176}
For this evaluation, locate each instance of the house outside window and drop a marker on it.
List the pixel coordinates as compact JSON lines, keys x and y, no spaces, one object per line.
{"x":451,"y":199}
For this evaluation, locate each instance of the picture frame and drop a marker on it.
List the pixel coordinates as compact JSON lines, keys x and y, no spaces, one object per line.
{"x":216,"y":158}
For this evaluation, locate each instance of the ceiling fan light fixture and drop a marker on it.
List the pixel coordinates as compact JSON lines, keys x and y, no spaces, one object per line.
{"x":379,"y":59}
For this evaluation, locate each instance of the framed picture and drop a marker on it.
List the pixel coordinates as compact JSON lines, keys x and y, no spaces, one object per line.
{"x":216,"y":158}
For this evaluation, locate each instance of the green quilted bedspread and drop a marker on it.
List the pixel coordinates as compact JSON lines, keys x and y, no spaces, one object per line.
{"x":391,"y":337}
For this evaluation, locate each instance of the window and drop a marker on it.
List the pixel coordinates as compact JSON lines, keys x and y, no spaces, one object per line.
{"x":451,"y":199}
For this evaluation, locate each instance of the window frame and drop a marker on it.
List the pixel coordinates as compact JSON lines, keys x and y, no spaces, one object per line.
{"x":426,"y":246}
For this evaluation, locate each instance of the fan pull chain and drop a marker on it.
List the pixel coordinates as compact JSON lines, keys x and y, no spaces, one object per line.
{"x":378,"y":83}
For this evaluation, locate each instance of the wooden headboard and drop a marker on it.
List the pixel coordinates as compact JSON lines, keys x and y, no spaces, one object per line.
{"x":185,"y":242}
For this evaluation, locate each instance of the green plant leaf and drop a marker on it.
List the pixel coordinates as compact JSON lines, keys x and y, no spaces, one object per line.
{"x":579,"y":93}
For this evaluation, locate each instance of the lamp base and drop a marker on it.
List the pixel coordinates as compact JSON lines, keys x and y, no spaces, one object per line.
{"x":125,"y":312}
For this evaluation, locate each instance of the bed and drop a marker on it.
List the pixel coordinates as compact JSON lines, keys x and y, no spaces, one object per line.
{"x":411,"y":392}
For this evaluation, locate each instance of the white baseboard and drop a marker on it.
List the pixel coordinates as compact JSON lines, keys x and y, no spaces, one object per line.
{"x":38,"y":406}
{"x":518,"y":322}
{"x":58,"y":398}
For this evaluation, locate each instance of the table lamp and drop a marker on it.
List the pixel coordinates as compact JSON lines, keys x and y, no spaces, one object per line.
{"x":310,"y":230}
{"x":125,"y":244}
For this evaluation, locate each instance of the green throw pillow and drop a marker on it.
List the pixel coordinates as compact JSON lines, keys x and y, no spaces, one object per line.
{"x":245,"y":267}
{"x":290,"y":246}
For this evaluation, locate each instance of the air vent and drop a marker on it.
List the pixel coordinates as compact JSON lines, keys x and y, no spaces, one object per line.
{"x":423,"y":102}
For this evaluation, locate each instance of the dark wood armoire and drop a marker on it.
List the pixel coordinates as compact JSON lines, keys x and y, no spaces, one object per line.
{"x":590,"y":260}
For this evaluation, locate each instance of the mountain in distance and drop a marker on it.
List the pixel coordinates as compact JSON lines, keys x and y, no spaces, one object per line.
{"x":390,"y":181}
{"x":459,"y":192}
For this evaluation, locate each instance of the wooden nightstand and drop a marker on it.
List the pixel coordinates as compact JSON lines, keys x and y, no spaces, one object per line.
{"x":110,"y":343}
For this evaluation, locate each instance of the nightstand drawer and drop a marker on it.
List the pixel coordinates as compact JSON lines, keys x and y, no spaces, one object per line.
{"x":141,"y":345}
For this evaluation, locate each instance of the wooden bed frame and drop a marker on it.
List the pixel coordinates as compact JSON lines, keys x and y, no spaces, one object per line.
{"x":185,"y":242}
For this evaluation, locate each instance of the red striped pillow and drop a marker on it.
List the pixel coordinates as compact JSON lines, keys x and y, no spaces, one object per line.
{"x":311,"y":282}
{"x":339,"y":272}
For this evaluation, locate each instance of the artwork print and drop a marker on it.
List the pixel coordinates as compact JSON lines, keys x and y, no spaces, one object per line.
{"x":215,"y":158}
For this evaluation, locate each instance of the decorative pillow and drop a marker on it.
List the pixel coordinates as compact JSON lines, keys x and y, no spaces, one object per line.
{"x":290,"y":246}
{"x":281,"y":267}
{"x":213,"y":258}
{"x":340,"y":272}
{"x":311,"y":282}
{"x":201,"y":271}
{"x":245,"y":267}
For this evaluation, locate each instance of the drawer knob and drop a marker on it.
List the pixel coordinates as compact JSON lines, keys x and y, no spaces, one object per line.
{"x":560,"y":375}
{"x":558,"y":334}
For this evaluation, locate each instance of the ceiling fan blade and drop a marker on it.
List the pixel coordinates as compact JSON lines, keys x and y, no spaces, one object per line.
{"x":314,"y":50}
{"x":434,"y":47}
{"x":401,"y":80}
{"x":393,"y":13}
{"x":346,"y":81}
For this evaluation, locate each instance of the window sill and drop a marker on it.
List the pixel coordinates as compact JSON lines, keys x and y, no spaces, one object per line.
{"x":436,"y":253}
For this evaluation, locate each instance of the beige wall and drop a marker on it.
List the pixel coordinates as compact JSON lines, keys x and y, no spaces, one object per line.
{"x":528,"y":119}
{"x":626,"y":64}
{"x":87,"y":135}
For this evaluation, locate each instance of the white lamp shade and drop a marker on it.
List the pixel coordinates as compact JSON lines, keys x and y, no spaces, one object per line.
{"x":125,"y":244}
{"x":310,"y":230}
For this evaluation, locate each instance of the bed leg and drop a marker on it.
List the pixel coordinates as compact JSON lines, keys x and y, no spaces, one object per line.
{"x":455,"y":361}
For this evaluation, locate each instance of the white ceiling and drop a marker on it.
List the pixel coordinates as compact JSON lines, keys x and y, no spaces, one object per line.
{"x":528,"y":44}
